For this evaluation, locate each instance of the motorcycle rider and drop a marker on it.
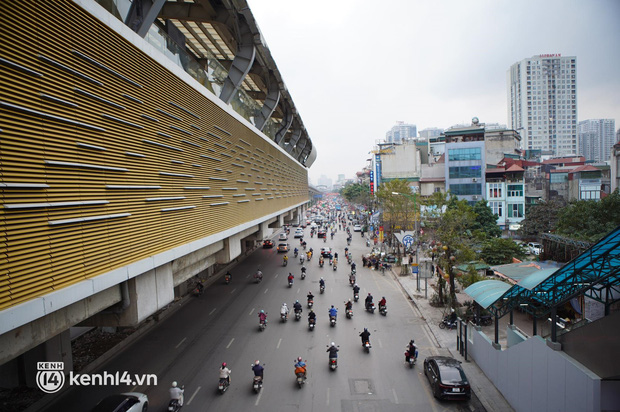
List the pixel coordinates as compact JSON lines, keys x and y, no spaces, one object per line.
{"x":285,"y":259}
{"x":262,"y":316}
{"x":348,"y":305}
{"x":290,"y":277}
{"x":310,"y":296}
{"x":322,"y":283}
{"x":284,"y":310}
{"x":259,"y":274}
{"x":452,"y":316}
{"x":333,"y":312}
{"x":296,"y":252}
{"x":311,"y":316}
{"x":297,"y":307}
{"x":176,"y":393}
{"x":228,"y":276}
{"x":382,"y":302}
{"x":303,"y":269}
{"x":412,"y":350}
{"x":321,"y":261}
{"x":333,"y":351}
{"x":225,"y":373}
{"x":300,"y":366}
{"x":356,"y":290}
{"x":353,"y":267}
{"x":368,"y":300}
{"x":258,"y":369}
{"x":365,"y":335}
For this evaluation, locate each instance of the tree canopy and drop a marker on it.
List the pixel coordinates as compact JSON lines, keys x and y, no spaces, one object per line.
{"x":498,"y":251}
{"x":590,"y":220}
{"x":541,"y":218}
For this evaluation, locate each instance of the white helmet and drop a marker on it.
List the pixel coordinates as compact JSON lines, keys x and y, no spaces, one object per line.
{"x":284,"y":304}
{"x":333,"y":344}
{"x":174,"y":384}
{"x":257,"y":363}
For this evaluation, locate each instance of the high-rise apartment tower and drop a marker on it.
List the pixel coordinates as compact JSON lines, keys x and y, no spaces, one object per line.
{"x":596,"y":138}
{"x":542,"y":103}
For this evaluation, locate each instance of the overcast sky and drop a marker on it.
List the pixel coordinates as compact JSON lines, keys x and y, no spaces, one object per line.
{"x":356,"y":67}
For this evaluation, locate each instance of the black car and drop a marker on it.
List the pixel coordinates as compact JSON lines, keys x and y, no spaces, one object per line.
{"x":267,"y":244}
{"x":321,"y":234}
{"x":447,"y":379}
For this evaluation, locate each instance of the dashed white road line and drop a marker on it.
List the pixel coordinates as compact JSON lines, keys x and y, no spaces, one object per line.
{"x":230,"y":343}
{"x":213,"y":310}
{"x":193,"y":395}
{"x":233,"y":291}
{"x":275,"y":276}
{"x":252,"y":311}
{"x":258,"y":399}
{"x":327,"y":400}
{"x":179,"y":344}
{"x":395,"y":397}
{"x":279,"y":342}
{"x":266,"y":290}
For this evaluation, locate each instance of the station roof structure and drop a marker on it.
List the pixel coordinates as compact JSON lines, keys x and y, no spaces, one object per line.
{"x":593,"y":273}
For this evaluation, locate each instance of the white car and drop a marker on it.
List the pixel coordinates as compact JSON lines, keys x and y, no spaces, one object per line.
{"x":126,"y":402}
{"x":282,"y":236}
{"x":357,"y":228}
{"x":299,"y":233}
{"x":535,"y":248}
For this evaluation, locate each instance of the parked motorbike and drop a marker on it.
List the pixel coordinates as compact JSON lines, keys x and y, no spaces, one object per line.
{"x":223,"y":385}
{"x":484,"y":320}
{"x":447,"y":323}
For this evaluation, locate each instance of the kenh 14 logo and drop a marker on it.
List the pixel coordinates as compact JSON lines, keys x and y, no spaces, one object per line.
{"x":50,"y":376}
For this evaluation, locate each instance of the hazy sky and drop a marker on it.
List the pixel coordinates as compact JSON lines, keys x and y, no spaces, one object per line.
{"x":356,"y":67}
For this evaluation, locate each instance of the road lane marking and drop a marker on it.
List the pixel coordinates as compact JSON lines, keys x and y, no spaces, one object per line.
{"x":275,"y":276}
{"x":266,"y":290}
{"x":134,"y":388}
{"x":247,"y":276}
{"x":298,"y":290}
{"x":233,"y":291}
{"x":279,"y":342}
{"x":252,"y":311}
{"x":210,"y":313}
{"x":380,"y":344}
{"x":230,"y":343}
{"x":192,"y":398}
{"x":179,"y":344}
{"x":327,"y":402}
{"x":395,"y":397}
{"x":258,"y":399}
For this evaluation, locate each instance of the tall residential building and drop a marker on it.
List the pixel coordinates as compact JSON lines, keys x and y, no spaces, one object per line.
{"x":431,"y":132}
{"x":542,"y":103}
{"x":402,"y":131}
{"x":596,"y":138}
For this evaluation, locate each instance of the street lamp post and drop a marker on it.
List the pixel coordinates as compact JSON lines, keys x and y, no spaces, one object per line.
{"x":417,"y":235}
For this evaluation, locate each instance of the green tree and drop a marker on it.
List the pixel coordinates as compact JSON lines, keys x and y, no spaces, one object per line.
{"x":356,"y":193}
{"x":398,"y":209}
{"x":590,"y":220}
{"x":499,"y":251}
{"x":486,"y":220}
{"x":541,"y":218}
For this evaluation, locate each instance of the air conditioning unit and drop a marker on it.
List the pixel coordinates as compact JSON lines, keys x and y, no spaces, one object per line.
{"x":474,"y":180}
{"x":475,"y":197}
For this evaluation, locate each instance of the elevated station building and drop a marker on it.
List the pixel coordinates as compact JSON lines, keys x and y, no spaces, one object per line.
{"x":141,"y":143}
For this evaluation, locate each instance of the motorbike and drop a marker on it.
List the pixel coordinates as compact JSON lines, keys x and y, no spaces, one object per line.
{"x":258,"y":277}
{"x":446,"y":323}
{"x":262,"y":325}
{"x":334,"y":266}
{"x":227,"y":279}
{"x":257,"y":383}
{"x":290,"y":283}
{"x":284,"y":262}
{"x":349,"y":259}
{"x":301,"y":260}
{"x":174,"y":405}
{"x":321,"y":262}
{"x":198,"y":289}
{"x":367,"y":346}
{"x":283,"y":317}
{"x":310,"y":303}
{"x":322,"y":289}
{"x":356,"y":297}
{"x":348,"y":241}
{"x":383,"y":310}
{"x":298,"y":315}
{"x":332,"y":321}
{"x":367,"y":242}
{"x":296,"y":254}
{"x":411,"y":360}
{"x":325,"y":239}
{"x":303,"y":274}
{"x":370,"y":307}
{"x":484,"y":320}
{"x":223,"y":385}
{"x":311,"y":324}
{"x":333,"y":363}
{"x":349,"y":313}
{"x":352,"y":280}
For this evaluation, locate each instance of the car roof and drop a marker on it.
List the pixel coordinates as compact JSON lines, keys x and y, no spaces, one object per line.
{"x":444,"y":360}
{"x":110,"y":403}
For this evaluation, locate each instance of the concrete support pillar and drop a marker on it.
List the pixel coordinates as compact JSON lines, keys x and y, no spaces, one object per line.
{"x":56,"y":349}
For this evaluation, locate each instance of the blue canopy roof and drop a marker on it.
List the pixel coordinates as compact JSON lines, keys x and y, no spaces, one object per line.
{"x":486,"y":292}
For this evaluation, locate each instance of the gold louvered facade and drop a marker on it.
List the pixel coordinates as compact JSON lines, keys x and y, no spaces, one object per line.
{"x":107,"y":158}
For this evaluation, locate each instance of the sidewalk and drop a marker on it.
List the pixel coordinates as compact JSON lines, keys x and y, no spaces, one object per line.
{"x":489,"y":396}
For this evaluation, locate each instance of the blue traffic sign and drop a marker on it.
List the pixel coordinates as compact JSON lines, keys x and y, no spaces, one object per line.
{"x":408,"y":241}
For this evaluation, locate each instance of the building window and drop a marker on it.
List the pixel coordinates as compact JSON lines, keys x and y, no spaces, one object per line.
{"x":465,"y":154}
{"x":515,"y":190}
{"x":515,"y":209}
{"x":558,"y":177}
{"x":497,"y":208}
{"x":460,"y":172}
{"x":589,"y":192}
{"x":495,"y":190}
{"x":466,"y":189}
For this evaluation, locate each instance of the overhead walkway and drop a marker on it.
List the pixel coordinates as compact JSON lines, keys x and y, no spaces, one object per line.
{"x":594,"y":274}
